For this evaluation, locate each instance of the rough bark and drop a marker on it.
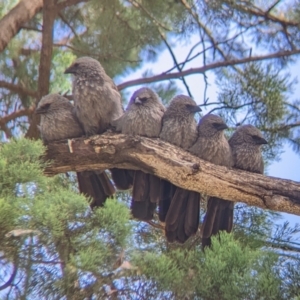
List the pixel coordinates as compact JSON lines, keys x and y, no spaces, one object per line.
{"x":12,"y":22}
{"x":176,"y":165}
{"x":49,"y":14}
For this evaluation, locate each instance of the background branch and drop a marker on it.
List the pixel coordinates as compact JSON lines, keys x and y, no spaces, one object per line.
{"x":17,"y":89}
{"x":49,"y":15}
{"x":200,"y":70}
{"x":12,"y":22}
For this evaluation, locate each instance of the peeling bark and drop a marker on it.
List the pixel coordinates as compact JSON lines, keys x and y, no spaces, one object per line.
{"x":176,"y":165}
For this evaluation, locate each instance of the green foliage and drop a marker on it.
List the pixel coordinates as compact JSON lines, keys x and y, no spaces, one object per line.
{"x":62,"y":249}
{"x":228,"y":270}
{"x":19,"y":164}
{"x":59,"y":81}
{"x":49,"y":221}
{"x":257,"y":96}
{"x":113,"y":219}
{"x":129,"y":33}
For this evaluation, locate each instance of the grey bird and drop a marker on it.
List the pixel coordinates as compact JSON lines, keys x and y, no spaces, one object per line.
{"x":179,"y":128}
{"x":245,"y":146}
{"x":143,"y":116}
{"x":213,"y":146}
{"x":58,"y":121}
{"x":97,"y":102}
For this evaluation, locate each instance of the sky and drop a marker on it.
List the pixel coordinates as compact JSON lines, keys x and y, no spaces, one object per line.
{"x":288,"y":166}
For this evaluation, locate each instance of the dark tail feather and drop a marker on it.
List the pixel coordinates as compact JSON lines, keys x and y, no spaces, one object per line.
{"x":142,"y":210}
{"x":227,"y":216}
{"x":154,"y":189}
{"x":176,"y":207}
{"x":174,"y":227}
{"x":106,"y":183}
{"x":171,"y":236}
{"x":140,"y":190}
{"x":187,"y":221}
{"x":181,"y":236}
{"x":167,"y":191}
{"x":219,"y":216}
{"x":191,"y":222}
{"x":145,"y":194}
{"x":206,"y":242}
{"x":122,"y":178}
{"x":95,"y":185}
{"x":209,"y":219}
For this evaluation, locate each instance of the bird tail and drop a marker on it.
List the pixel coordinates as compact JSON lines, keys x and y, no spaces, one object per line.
{"x":95,"y":185}
{"x":167,"y":191}
{"x":219,"y":216}
{"x":145,"y":195}
{"x":182,"y":219}
{"x":122,"y":178}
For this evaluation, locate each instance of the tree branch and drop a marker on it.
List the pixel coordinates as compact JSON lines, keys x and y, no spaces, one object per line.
{"x":17,"y":89}
{"x":16,"y":114}
{"x":267,"y":15}
{"x":49,"y":14}
{"x":203,"y":69}
{"x":12,"y":22}
{"x":176,"y":165}
{"x":66,"y":3}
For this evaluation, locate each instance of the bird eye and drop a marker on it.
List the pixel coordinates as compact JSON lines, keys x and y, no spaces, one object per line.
{"x":76,"y":65}
{"x":193,"y":108}
{"x":259,"y":140}
{"x":144,"y":99}
{"x":45,"y":106}
{"x":256,"y":138}
{"x":219,"y":126}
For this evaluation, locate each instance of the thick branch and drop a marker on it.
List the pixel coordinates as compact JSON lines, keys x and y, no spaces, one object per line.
{"x":203,"y":69}
{"x":12,"y":22}
{"x":17,"y":114}
{"x":176,"y":165}
{"x":49,"y":14}
{"x":17,"y":89}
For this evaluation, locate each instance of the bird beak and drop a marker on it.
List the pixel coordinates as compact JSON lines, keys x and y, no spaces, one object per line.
{"x":262,"y":141}
{"x":70,"y":70}
{"x":194,"y":108}
{"x":220,"y":127}
{"x":137,"y":100}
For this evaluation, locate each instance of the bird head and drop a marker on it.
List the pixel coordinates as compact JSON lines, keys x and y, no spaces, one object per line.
{"x":211,"y":125}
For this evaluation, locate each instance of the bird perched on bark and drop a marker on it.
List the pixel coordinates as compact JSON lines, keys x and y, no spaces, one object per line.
{"x":143,"y":116}
{"x":245,"y":146}
{"x":58,"y":121}
{"x":179,"y":128}
{"x":212,"y":146}
{"x":182,"y":218}
{"x":97,"y":102}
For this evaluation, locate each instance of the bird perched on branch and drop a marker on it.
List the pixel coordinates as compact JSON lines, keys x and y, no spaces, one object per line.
{"x":58,"y":121}
{"x":143,"y":116}
{"x":212,"y":145}
{"x":245,"y":146}
{"x":179,"y":128}
{"x":97,"y":102}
